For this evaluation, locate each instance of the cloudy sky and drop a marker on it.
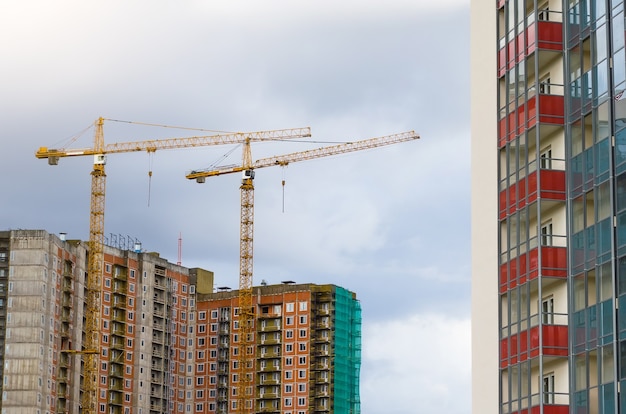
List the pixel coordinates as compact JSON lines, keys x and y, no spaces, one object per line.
{"x":391,"y":224}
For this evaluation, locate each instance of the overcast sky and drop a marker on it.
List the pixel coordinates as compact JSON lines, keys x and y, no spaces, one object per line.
{"x":390,"y":224}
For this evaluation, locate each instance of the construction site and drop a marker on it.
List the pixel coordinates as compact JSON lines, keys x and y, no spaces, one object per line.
{"x":90,"y":327}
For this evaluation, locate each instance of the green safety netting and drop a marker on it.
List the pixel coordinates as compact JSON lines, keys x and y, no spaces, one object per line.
{"x":347,"y":343}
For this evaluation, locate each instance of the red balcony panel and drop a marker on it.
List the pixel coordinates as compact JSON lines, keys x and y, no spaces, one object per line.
{"x":501,"y":62}
{"x":553,"y":409}
{"x":503,"y":277}
{"x":503,"y":204}
{"x":552,"y":109}
{"x":520,"y":49}
{"x":510,"y":55}
{"x":553,"y":184}
{"x":555,"y":340}
{"x":524,"y":345}
{"x":547,"y":409}
{"x":526,"y":190}
{"x":533,"y":267}
{"x":554,"y":261}
{"x":544,"y":35}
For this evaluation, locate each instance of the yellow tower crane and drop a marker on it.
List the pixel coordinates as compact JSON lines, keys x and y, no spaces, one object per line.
{"x":246,"y":310}
{"x":95,"y":261}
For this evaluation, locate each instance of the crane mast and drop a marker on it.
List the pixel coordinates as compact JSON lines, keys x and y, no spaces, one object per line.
{"x":95,"y":261}
{"x":94,"y":275}
{"x":246,"y":309}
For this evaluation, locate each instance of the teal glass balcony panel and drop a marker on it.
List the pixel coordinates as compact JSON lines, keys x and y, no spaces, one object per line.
{"x":527,"y":267}
{"x":542,"y":108}
{"x":548,"y":184}
{"x":525,"y":344}
{"x":540,"y":35}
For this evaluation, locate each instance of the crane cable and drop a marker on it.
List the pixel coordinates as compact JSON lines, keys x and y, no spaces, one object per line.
{"x":150,"y":163}
{"x":283,"y":183}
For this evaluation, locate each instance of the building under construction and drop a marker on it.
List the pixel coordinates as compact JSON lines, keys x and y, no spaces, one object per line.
{"x":168,"y":340}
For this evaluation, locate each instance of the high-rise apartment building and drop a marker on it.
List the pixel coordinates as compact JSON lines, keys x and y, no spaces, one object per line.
{"x":168,"y":343}
{"x":549,"y":206}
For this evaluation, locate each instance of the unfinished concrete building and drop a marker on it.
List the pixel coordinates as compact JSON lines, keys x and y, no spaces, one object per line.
{"x":168,"y":342}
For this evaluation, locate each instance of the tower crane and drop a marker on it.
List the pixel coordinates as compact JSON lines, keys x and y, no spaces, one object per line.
{"x":96,"y":223}
{"x":246,"y":311}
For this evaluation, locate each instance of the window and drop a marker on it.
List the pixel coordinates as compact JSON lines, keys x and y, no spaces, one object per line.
{"x":302,"y":346}
{"x":544,"y":84}
{"x":289,"y":334}
{"x":545,"y":158}
{"x":214,"y":314}
{"x":202,"y":315}
{"x":548,"y":389}
{"x":288,"y":402}
{"x":302,"y":333}
{"x":288,"y":347}
{"x":301,"y":401}
{"x":289,"y":320}
{"x":547,"y":310}
{"x":543,"y":12}
{"x":288,"y":388}
{"x":303,"y":320}
{"x":302,"y":360}
{"x":289,"y":361}
{"x":289,"y":307}
{"x":301,"y":373}
{"x":546,"y":233}
{"x":302,"y":387}
{"x":288,"y":374}
{"x":303,"y":306}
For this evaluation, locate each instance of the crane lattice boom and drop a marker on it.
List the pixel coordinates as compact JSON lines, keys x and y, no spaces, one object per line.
{"x":285,"y":159}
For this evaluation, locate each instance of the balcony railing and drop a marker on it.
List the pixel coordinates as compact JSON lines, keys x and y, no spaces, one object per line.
{"x":521,"y":263}
{"x":531,"y":109}
{"x":525,"y":344}
{"x":553,"y":403}
{"x":544,"y":33}
{"x":527,"y":185}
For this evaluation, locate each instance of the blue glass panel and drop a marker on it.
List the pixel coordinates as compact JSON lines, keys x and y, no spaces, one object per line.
{"x":604,"y":236}
{"x":592,"y":326}
{"x":601,"y":77}
{"x":588,"y":153}
{"x":621,"y":229}
{"x":578,"y":246}
{"x":580,"y":402}
{"x":618,"y":36}
{"x":619,"y":65}
{"x":590,"y":243}
{"x":607,"y":402}
{"x":603,"y":152}
{"x":578,"y":323}
{"x":606,"y":318}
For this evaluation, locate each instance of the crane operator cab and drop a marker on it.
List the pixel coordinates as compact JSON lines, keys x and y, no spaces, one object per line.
{"x":247,"y":175}
{"x":99,"y":159}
